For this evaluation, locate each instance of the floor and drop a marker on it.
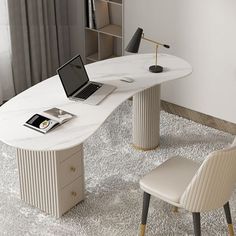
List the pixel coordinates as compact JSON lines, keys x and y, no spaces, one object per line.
{"x":112,"y":171}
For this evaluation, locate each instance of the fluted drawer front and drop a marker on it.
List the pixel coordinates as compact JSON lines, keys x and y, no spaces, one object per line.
{"x":38,"y":179}
{"x":146,"y":118}
{"x":72,"y":194}
{"x":71,"y":168}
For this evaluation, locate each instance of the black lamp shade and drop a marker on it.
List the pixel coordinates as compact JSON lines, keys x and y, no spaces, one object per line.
{"x":134,"y":43}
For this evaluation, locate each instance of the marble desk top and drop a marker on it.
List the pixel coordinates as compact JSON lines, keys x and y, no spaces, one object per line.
{"x":50,"y":93}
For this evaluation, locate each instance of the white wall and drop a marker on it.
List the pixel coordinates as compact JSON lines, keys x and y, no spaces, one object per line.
{"x":204,"y":34}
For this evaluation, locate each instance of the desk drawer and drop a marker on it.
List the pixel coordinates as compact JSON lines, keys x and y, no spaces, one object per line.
{"x":65,"y":154}
{"x":71,"y":169}
{"x":72,"y":194}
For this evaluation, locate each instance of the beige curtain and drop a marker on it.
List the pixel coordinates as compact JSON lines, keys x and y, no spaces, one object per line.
{"x":39,"y":38}
{"x":6,"y":81}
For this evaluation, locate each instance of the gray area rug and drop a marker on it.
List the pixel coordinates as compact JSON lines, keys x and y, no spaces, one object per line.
{"x":112,"y":170}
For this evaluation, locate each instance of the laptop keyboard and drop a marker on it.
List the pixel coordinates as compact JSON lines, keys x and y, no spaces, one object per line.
{"x":88,"y":91}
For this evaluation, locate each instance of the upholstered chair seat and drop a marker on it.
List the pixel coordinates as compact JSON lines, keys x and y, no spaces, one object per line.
{"x":169,"y":180}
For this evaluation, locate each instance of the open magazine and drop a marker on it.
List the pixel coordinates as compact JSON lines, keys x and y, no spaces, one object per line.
{"x":48,"y":120}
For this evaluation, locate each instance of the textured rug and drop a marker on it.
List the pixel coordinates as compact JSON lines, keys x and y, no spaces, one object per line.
{"x":112,"y":170}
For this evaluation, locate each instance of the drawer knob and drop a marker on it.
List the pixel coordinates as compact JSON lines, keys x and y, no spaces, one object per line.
{"x":72,"y":168}
{"x":74,"y":194}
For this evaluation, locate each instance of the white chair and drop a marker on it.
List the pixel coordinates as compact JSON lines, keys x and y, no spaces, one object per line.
{"x":194,"y":187}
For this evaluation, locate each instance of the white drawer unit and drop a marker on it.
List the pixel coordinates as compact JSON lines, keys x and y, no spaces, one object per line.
{"x":53,"y":181}
{"x":71,"y":169}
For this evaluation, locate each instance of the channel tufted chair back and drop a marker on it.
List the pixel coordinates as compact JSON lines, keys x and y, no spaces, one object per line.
{"x":213,"y":183}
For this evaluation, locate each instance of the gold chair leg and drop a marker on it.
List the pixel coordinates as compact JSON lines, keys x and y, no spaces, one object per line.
{"x":175,"y":209}
{"x":142,"y":230}
{"x":231,"y":229}
{"x":229,"y":218}
{"x":146,"y":200}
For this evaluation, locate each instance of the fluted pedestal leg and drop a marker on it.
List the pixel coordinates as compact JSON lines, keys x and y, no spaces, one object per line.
{"x":146,"y":118}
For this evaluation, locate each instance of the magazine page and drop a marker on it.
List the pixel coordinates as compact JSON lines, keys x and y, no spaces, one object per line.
{"x":41,"y":123}
{"x":59,"y":115}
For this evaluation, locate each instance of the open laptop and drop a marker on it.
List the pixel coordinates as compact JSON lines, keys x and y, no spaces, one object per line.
{"x":77,"y":86}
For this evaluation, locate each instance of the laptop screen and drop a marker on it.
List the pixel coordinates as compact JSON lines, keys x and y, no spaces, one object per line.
{"x":73,"y":75}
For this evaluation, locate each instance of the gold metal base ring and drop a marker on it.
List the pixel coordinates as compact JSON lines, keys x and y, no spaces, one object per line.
{"x":142,"y":230}
{"x":231,"y":229}
{"x":144,"y":149}
{"x":175,"y":209}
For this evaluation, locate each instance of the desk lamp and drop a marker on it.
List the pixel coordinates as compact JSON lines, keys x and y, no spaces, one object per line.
{"x":134,"y":44}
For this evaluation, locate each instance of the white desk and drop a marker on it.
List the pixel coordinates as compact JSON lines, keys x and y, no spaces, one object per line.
{"x":51,"y":165}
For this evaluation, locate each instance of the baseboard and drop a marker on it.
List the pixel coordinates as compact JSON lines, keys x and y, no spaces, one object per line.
{"x":199,"y":117}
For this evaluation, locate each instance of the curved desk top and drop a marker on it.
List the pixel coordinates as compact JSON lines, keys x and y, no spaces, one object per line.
{"x":50,"y":93}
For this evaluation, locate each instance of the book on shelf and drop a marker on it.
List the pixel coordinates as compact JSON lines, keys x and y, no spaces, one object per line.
{"x":48,"y":120}
{"x":102,"y":18}
{"x":97,"y":14}
{"x":93,"y":14}
{"x":90,"y":14}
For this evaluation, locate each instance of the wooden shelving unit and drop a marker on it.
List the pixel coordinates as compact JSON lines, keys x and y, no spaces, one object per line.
{"x":93,"y":57}
{"x":107,"y":41}
{"x":116,"y":2}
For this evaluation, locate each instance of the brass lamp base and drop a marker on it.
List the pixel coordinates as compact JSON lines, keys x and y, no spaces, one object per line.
{"x":156,"y":69}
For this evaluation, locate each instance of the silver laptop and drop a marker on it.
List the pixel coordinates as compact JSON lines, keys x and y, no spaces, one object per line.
{"x":77,"y":86}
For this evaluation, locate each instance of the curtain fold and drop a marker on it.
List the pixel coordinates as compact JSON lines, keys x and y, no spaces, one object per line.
{"x":6,"y":81}
{"x":39,"y":38}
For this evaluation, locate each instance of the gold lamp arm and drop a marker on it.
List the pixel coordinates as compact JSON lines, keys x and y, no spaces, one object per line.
{"x":156,"y":55}
{"x":152,"y":41}
{"x":155,"y":68}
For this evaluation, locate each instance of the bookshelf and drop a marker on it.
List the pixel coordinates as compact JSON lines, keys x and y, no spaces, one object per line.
{"x":105,"y":39}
